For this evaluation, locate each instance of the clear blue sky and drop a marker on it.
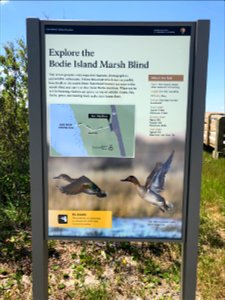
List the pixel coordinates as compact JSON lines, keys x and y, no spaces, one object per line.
{"x":13,"y":14}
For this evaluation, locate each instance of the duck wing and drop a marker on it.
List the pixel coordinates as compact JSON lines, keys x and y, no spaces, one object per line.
{"x":77,"y":186}
{"x":91,"y":188}
{"x":84,"y":179}
{"x":72,"y":188}
{"x":152,"y":175}
{"x":87,"y":183}
{"x":81,"y":185}
{"x":155,"y":181}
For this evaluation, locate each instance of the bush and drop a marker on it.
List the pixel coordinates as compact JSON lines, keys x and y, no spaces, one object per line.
{"x":14,"y":128}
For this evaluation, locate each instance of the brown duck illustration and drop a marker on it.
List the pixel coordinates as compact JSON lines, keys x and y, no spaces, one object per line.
{"x":80,"y":185}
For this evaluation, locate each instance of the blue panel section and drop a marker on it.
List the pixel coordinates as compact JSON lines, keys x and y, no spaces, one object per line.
{"x":65,"y":135}
{"x":140,"y":228}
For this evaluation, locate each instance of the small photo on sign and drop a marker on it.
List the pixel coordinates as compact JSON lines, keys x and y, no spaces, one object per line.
{"x":62,"y":219}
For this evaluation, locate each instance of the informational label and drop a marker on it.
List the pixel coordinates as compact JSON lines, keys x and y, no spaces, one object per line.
{"x":148,"y":72}
{"x":80,"y":219}
{"x":116,"y":117}
{"x":166,"y":92}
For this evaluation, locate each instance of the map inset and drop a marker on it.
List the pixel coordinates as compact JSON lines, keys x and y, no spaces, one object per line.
{"x":92,"y":130}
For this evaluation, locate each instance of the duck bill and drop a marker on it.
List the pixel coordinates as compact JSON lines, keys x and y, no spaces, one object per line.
{"x":124,"y":179}
{"x":56,"y":177}
{"x":102,"y":195}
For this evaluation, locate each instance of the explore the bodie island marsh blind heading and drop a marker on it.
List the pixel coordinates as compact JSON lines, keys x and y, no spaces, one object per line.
{"x":64,"y":63}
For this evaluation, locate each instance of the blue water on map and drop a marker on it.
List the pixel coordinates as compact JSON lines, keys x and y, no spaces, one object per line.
{"x":65,"y":141}
{"x":127,"y":227}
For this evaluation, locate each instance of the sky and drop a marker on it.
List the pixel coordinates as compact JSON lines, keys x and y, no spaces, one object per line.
{"x":13,"y":14}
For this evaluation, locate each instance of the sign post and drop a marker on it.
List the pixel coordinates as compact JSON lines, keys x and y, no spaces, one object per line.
{"x":116,"y":122}
{"x":190,"y":245}
{"x":39,"y":241}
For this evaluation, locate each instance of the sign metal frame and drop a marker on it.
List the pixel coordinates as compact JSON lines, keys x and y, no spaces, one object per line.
{"x":193,"y":149}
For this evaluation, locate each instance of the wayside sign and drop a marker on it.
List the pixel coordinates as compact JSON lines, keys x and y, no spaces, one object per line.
{"x":116,"y":120}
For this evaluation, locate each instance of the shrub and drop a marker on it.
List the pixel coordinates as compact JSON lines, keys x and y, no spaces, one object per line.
{"x":14,"y":128}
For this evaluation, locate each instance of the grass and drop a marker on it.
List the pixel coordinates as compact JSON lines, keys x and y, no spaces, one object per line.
{"x":211,"y":271}
{"x":96,"y":293}
{"x":125,"y":270}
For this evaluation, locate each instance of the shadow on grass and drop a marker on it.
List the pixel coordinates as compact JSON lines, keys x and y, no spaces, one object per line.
{"x":15,"y":238}
{"x":209,"y":234}
{"x":209,"y":150}
{"x":214,"y":240}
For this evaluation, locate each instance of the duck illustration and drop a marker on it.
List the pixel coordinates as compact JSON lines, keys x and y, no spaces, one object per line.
{"x":154,"y":185}
{"x":80,"y":185}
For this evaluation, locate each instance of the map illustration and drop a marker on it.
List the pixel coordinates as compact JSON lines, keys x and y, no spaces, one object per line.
{"x":78,"y":130}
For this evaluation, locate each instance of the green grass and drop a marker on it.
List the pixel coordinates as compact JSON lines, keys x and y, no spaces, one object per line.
{"x":96,"y":293}
{"x":211,"y":271}
{"x":213,"y":178}
{"x":107,"y":270}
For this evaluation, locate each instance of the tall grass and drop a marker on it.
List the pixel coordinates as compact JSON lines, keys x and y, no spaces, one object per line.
{"x":211,"y":267}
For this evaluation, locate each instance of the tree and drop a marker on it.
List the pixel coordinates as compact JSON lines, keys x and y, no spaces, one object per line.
{"x":14,"y":127}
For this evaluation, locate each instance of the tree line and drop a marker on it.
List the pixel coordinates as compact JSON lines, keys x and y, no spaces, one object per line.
{"x":14,"y":131}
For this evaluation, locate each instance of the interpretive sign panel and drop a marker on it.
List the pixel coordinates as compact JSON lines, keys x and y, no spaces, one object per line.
{"x":116,"y":130}
{"x":116,"y":123}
